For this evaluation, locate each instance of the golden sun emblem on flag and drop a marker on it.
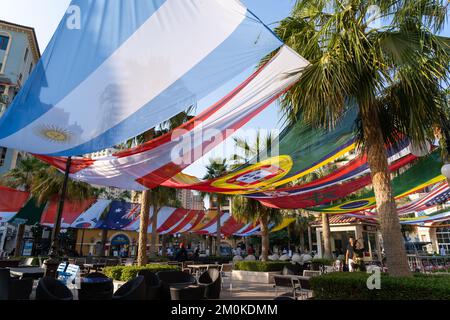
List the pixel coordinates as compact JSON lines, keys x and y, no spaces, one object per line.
{"x":54,"y":133}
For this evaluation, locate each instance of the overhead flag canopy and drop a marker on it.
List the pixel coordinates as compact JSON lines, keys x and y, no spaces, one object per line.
{"x":120,"y":68}
{"x":11,"y":201}
{"x":344,"y":181}
{"x":424,"y":173}
{"x":297,"y":158}
{"x":158,"y":160}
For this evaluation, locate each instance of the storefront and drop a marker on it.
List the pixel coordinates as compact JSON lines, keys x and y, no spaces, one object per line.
{"x":342,"y":228}
{"x":119,"y":246}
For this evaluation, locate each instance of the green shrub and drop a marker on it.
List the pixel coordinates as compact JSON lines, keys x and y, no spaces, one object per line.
{"x":261,"y":266}
{"x":353,"y":286}
{"x":322,"y":262}
{"x":126,"y":273}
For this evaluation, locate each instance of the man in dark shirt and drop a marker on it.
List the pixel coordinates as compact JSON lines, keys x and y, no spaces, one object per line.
{"x":349,"y":255}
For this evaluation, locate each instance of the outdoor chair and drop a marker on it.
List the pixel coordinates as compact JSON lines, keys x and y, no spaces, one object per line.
{"x":303,"y":286}
{"x":14,"y":289}
{"x":152,"y":285}
{"x":191,"y":292}
{"x":212,"y":281}
{"x":51,"y":289}
{"x":174,"y":278}
{"x":284,"y":282}
{"x":311,"y":273}
{"x":102,"y":290}
{"x":132,"y":290}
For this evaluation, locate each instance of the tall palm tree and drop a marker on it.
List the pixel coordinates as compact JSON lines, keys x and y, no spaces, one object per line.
{"x":250,"y":210}
{"x":216,"y":169}
{"x":146,"y":198}
{"x":390,"y":65}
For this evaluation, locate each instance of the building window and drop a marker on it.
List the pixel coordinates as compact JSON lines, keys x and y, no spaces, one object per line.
{"x":4,"y":40}
{"x":20,"y":78}
{"x":443,"y":237}
{"x":26,"y":55}
{"x":31,"y":68}
{"x":2,"y":156}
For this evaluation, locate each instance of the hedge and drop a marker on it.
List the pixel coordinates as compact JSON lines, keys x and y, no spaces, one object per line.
{"x":126,"y":273}
{"x":353,"y":286}
{"x":261,"y":266}
{"x":322,"y":262}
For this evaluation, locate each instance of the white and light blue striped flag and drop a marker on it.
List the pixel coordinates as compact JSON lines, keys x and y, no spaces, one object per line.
{"x":127,"y":66}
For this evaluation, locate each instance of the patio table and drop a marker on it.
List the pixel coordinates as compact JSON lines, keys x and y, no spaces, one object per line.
{"x":95,"y":266}
{"x":28,"y":272}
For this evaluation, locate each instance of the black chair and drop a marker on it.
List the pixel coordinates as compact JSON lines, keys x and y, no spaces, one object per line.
{"x":152,"y":285}
{"x":212,"y":281}
{"x":293,"y":269}
{"x":101,"y":290}
{"x":51,"y":289}
{"x":132,"y":290}
{"x":191,"y":292}
{"x":284,"y":282}
{"x":14,"y":288}
{"x":174,"y":278}
{"x":20,"y":289}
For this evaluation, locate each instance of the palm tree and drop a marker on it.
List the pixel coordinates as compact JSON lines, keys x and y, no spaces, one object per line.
{"x":146,"y":198}
{"x":302,"y":224}
{"x":160,"y":196}
{"x":45,"y":183}
{"x":250,"y":210}
{"x":390,"y":65}
{"x":216,"y":169}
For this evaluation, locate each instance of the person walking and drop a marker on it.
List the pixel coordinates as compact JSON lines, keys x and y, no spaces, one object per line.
{"x":350,"y":254}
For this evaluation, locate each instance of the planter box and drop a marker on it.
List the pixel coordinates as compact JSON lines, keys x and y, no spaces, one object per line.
{"x":254,"y":276}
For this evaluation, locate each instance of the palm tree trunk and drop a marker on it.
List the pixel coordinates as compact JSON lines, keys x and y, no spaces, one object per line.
{"x":143,"y":228}
{"x":394,"y":247}
{"x":264,"y":238}
{"x":302,"y":240}
{"x":154,"y":242}
{"x":163,"y":244}
{"x":19,"y":240}
{"x":310,"y":239}
{"x":104,"y":240}
{"x":326,"y":236}
{"x":218,"y":233}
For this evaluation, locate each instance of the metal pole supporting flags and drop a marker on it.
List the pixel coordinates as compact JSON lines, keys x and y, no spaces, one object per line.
{"x":62,"y":196}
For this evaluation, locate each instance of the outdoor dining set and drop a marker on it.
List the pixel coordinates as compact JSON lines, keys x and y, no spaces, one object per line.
{"x":194,"y":282}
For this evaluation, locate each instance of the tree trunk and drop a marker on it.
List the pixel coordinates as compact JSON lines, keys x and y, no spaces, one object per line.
{"x":302,"y":240}
{"x":264,"y":238}
{"x":326,"y":236}
{"x":143,"y":228}
{"x":394,"y":247}
{"x":310,"y":239}
{"x":19,"y":240}
{"x":163,"y":244}
{"x":218,"y":233}
{"x":104,"y":240}
{"x":154,"y":242}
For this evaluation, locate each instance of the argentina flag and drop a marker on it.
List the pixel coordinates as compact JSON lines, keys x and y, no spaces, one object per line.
{"x":115,"y":69}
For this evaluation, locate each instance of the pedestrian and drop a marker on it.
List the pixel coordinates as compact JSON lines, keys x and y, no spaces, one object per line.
{"x":350,"y":254}
{"x":181,"y":255}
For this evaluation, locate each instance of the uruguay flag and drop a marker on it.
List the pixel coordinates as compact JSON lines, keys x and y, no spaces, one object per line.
{"x":115,"y":69}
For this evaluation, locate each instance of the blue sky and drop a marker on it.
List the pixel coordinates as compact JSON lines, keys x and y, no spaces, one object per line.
{"x":44,"y":16}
